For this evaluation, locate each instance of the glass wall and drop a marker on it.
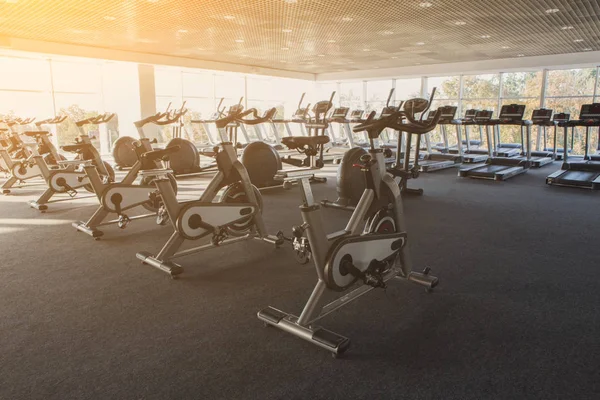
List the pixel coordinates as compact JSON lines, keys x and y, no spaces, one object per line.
{"x":351,"y":95}
{"x":377,"y":94}
{"x":566,"y":91}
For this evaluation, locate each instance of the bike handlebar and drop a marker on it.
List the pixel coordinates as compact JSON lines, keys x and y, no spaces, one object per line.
{"x":392,"y":121}
{"x":52,"y":121}
{"x":100,"y":119}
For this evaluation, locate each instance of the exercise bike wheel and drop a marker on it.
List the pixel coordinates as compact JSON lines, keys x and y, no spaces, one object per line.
{"x":153,"y":206}
{"x":124,"y":153}
{"x":111,"y":176}
{"x":235,"y":193}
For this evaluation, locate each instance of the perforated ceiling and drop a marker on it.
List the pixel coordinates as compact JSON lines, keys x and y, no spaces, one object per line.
{"x":314,"y":35}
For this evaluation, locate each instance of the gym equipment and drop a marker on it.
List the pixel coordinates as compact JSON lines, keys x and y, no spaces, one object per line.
{"x":124,"y":149}
{"x":71,"y":176}
{"x":26,"y":169}
{"x":264,"y":164}
{"x":433,"y":161}
{"x":235,"y":217}
{"x":359,"y":258}
{"x":118,"y":197}
{"x":473,"y":154}
{"x":350,"y":182}
{"x":585,"y":173}
{"x":497,"y":167}
{"x":542,"y":118}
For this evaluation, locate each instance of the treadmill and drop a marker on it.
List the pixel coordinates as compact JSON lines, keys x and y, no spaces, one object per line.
{"x":513,"y":111}
{"x":339,"y":116}
{"x":583,"y":173}
{"x":541,"y":117}
{"x":473,"y":155}
{"x":544,"y":119}
{"x":443,"y":159}
{"x":496,"y":167}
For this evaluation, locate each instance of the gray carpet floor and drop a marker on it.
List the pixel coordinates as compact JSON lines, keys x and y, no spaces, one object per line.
{"x":515,"y":316}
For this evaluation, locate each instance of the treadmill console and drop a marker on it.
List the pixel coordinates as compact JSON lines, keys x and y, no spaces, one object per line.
{"x":320,"y":109}
{"x":483,"y":115}
{"x":389,"y":110}
{"x":300,"y":113}
{"x":512,"y":112}
{"x":356,"y":114}
{"x":470,"y":114}
{"x":340,"y":112}
{"x":590,"y":111}
{"x":448,"y":114}
{"x":541,"y":115}
{"x":235,"y":109}
{"x":561,"y":117}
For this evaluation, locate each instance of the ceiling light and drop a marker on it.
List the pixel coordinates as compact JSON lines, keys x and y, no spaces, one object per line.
{"x":520,"y":55}
{"x":283,"y":62}
{"x":286,"y":30}
{"x":291,"y":1}
{"x":331,"y":41}
{"x":552,"y":10}
{"x":460,"y":23}
{"x":347,"y":19}
{"x":109,"y":18}
{"x":182,"y":31}
{"x":505,"y":47}
{"x":578,"y":40}
{"x":394,"y":57}
{"x":320,"y":55}
{"x":376,"y":67}
{"x":417,"y":63}
{"x":239,"y":40}
{"x":350,"y":62}
{"x":567,"y":27}
{"x":285,"y":48}
{"x":485,"y":36}
{"x":587,"y":49}
{"x":387,"y":33}
{"x":425,"y":4}
{"x":366,"y":49}
{"x":230,"y":17}
{"x":420,"y":43}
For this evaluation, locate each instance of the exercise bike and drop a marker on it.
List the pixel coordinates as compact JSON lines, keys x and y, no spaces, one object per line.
{"x":26,"y":169}
{"x":361,"y":257}
{"x":125,"y":153}
{"x":71,"y":176}
{"x":264,"y":163}
{"x":119,"y":197}
{"x":235,"y":217}
{"x":350,"y":187}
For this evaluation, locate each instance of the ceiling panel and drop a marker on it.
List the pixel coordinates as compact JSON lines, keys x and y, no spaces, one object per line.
{"x":315,"y":36}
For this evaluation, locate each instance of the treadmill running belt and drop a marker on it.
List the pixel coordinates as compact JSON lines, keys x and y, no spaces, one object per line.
{"x":572,"y":177}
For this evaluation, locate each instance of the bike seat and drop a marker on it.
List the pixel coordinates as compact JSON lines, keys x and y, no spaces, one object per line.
{"x":75,"y":148}
{"x":35,"y":133}
{"x":159,"y":154}
{"x":294,"y":142}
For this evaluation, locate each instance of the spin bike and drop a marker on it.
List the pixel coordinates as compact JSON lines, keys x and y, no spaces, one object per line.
{"x":349,"y":185}
{"x":27,"y":169}
{"x":124,"y":149}
{"x":361,"y":257}
{"x":71,"y":176}
{"x":119,"y":197}
{"x":235,"y":217}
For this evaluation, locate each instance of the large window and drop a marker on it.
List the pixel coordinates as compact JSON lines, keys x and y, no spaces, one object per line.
{"x":407,"y":89}
{"x":447,"y":91}
{"x":566,"y":91}
{"x":351,"y":95}
{"x":377,"y":94}
{"x":521,"y":88}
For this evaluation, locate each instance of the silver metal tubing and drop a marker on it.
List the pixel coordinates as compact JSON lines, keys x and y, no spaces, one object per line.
{"x":210,"y":246}
{"x":360,"y":211}
{"x":313,"y":302}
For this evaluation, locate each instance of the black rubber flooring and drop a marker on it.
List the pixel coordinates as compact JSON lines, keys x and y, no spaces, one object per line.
{"x":515,"y":316}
